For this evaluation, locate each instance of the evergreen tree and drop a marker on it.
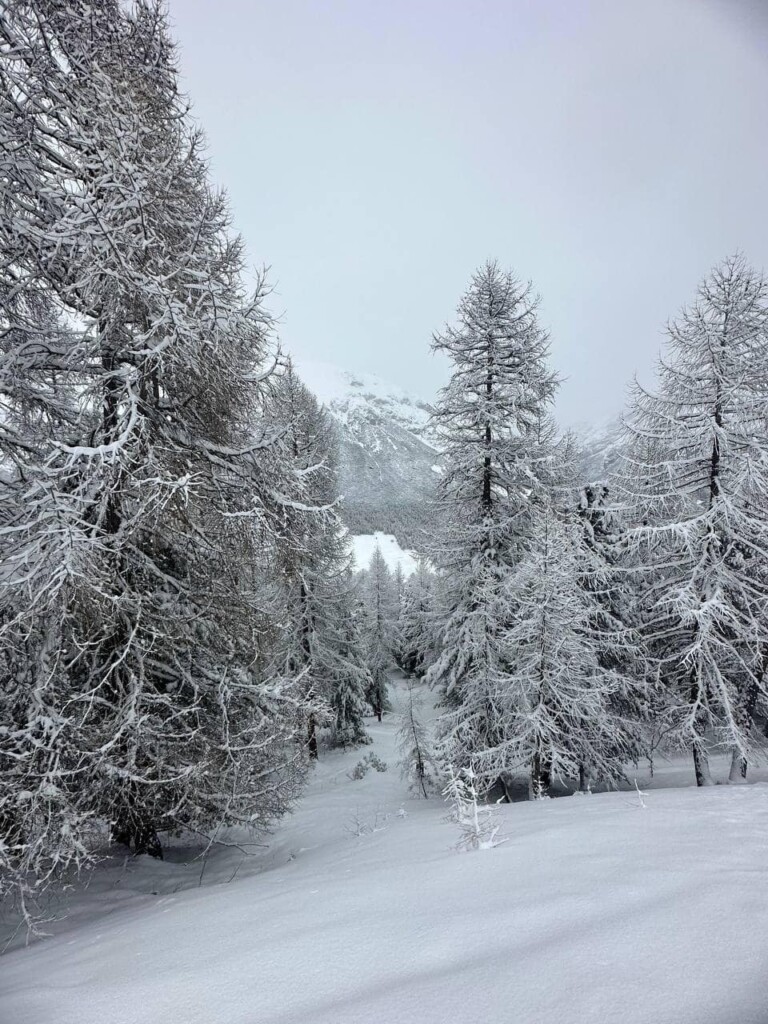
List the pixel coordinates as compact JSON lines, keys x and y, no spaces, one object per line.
{"x":696,"y":478}
{"x":491,"y":418}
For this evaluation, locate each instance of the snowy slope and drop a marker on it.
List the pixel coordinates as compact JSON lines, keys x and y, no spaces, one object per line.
{"x":386,"y":448}
{"x":355,"y":398}
{"x":364,"y":545}
{"x":597,"y":910}
{"x":600,"y":444}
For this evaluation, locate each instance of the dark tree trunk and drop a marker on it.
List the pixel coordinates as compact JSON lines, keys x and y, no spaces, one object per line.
{"x":541,"y":775}
{"x":487,"y":470}
{"x":312,"y":737}
{"x":138,"y":832}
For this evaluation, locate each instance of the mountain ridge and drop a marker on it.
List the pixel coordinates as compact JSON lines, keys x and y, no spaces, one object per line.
{"x":389,"y":462}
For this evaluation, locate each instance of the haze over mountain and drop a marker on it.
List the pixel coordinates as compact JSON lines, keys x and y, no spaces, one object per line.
{"x":389,"y":453}
{"x":389,"y":461}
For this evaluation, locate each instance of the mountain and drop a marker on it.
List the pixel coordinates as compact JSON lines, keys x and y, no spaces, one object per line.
{"x":389,"y":463}
{"x":389,"y":460}
{"x":600,"y":445}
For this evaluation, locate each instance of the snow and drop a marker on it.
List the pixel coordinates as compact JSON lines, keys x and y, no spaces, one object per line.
{"x":360,"y":911}
{"x":364,"y":544}
{"x":344,"y":390}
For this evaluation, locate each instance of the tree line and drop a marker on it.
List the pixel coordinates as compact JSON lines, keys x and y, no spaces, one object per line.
{"x":578,"y":626}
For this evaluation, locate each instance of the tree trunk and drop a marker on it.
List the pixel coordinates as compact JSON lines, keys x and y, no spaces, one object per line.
{"x":146,"y":840}
{"x":738,"y":770}
{"x":701,"y":765}
{"x":541,"y":777}
{"x":312,"y":737}
{"x":120,"y":833}
{"x":139,"y":833}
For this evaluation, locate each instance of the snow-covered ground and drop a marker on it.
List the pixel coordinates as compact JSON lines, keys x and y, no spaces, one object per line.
{"x":364,"y":544}
{"x":596,"y":910}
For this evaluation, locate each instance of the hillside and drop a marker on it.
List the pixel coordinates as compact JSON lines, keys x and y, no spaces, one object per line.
{"x":641,"y":908}
{"x":600,"y":443}
{"x":388,"y":460}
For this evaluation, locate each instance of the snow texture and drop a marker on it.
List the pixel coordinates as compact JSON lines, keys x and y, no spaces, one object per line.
{"x":611,"y":907}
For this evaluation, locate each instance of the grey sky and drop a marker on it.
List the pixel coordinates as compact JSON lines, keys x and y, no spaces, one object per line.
{"x":376,"y":151}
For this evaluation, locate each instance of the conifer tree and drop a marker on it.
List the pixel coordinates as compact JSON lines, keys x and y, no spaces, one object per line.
{"x":558,"y":705}
{"x":319,"y":640}
{"x":696,"y":479}
{"x":492,"y":419}
{"x":380,"y":630}
{"x":419,"y":765}
{"x":135,"y":517}
{"x":417,"y":621}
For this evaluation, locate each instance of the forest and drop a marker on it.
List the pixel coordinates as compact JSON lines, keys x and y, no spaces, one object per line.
{"x":184,"y":634}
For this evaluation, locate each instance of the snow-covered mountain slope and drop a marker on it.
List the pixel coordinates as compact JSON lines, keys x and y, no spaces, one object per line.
{"x":600,"y":444}
{"x":639,"y":908}
{"x":389,"y":463}
{"x":364,"y":545}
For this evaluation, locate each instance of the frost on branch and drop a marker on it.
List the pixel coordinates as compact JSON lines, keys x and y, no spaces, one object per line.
{"x":417,"y":760}
{"x":695,"y":483}
{"x":477,"y":824}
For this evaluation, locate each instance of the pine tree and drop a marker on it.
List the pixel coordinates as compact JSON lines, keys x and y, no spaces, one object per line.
{"x":492,"y":420}
{"x":696,"y":478}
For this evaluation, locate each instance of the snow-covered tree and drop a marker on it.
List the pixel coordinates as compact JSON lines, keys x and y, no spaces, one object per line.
{"x":417,"y":621}
{"x":351,"y":680}
{"x":419,"y":765}
{"x":610,"y":587}
{"x":558,"y":706}
{"x":492,"y":420}
{"x":380,"y":630}
{"x":696,"y":478}
{"x":136,"y":503}
{"x":319,"y":640}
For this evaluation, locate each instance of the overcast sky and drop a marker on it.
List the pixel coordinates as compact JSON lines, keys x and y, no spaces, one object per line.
{"x":376,"y":151}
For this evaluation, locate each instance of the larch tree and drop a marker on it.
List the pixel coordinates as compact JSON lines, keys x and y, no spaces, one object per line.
{"x":319,"y":642}
{"x":417,"y":621}
{"x":417,"y":759}
{"x":558,"y":705}
{"x":492,"y":421}
{"x":696,"y":480}
{"x":133,"y":524}
{"x":380,"y":631}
